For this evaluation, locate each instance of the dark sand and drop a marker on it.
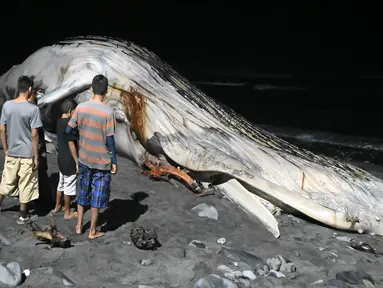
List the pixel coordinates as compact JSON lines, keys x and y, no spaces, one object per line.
{"x":112,"y":261}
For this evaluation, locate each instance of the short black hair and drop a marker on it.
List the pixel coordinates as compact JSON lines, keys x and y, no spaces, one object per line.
{"x":24,"y":83}
{"x":68,"y":105}
{"x":100,"y":84}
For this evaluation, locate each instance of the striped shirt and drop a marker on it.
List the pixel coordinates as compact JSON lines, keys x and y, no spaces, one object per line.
{"x":95,"y":122}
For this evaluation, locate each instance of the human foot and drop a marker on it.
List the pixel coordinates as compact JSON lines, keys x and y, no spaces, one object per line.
{"x":78,"y":229}
{"x":57,"y":209}
{"x":70,"y":215}
{"x":96,"y":235}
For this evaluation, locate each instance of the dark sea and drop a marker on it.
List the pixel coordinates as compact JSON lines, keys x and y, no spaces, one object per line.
{"x":331,"y":115}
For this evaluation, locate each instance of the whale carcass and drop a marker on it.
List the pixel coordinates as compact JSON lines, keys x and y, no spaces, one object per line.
{"x":165,"y":120}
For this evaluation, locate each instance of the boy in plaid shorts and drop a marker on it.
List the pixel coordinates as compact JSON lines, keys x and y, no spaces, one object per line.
{"x":97,"y":154}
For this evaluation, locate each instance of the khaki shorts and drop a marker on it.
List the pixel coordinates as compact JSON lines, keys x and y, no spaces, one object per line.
{"x":19,"y":179}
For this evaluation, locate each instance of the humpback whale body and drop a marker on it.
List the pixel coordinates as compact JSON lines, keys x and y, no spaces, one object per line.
{"x":168,"y":124}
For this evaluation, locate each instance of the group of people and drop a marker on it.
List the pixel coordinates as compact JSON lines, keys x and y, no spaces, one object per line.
{"x":86,"y":153}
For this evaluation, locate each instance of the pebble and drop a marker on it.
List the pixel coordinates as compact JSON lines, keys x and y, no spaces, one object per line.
{"x":214,"y":281}
{"x":224,"y":268}
{"x":276,"y":274}
{"x":249,"y":274}
{"x":279,"y":263}
{"x":146,"y":262}
{"x":198,"y":244}
{"x":127,"y":243}
{"x":205,"y":210}
{"x":233,"y":275}
{"x":260,"y":272}
{"x":221,"y":241}
{"x":320,"y":281}
{"x":235,"y":264}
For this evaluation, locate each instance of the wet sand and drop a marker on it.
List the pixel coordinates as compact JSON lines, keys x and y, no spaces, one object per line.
{"x":113,"y":261}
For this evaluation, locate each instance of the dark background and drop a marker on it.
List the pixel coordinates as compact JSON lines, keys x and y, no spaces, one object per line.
{"x":333,"y":49}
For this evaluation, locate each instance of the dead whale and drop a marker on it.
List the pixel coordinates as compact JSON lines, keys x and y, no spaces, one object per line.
{"x":165,"y":120}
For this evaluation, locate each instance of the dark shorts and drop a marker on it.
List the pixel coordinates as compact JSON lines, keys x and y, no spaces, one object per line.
{"x":93,"y":187}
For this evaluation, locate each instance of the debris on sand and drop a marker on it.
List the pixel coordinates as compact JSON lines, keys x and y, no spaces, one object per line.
{"x":144,"y":239}
{"x":51,"y":235}
{"x":205,"y":210}
{"x":10,"y":274}
{"x":221,"y":241}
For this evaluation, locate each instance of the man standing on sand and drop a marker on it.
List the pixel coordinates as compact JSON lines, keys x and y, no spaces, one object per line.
{"x":19,"y":124}
{"x":97,"y":154}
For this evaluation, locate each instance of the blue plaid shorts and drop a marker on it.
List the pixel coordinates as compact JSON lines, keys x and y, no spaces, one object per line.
{"x":93,"y":187}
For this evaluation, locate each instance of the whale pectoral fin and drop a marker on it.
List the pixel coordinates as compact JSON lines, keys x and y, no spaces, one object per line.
{"x":250,"y":203}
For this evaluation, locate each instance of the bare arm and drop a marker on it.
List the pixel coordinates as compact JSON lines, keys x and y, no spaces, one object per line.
{"x":35,"y":143}
{"x":73,"y":151}
{"x":3,"y":137}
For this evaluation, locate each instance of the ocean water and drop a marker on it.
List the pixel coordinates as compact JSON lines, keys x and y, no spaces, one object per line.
{"x":338,"y":118}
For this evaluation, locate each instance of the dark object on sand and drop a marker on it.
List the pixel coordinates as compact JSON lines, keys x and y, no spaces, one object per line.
{"x":51,"y":235}
{"x":144,"y":239}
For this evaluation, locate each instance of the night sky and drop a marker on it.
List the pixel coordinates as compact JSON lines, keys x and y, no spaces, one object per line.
{"x":274,"y":37}
{"x":320,"y":39}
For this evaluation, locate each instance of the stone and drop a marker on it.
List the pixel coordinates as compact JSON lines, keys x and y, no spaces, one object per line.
{"x":146,"y":262}
{"x":224,"y":268}
{"x":276,"y":274}
{"x":233,"y":275}
{"x":214,"y":281}
{"x":274,"y":263}
{"x":10,"y":274}
{"x":249,"y":274}
{"x":205,"y":210}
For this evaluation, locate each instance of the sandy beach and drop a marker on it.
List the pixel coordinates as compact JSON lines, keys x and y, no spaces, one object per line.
{"x":317,"y":253}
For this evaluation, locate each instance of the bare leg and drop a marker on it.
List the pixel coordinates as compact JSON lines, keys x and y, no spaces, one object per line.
{"x":24,"y":210}
{"x":58,"y":202}
{"x":1,"y":199}
{"x":80,"y":217}
{"x":93,"y":233}
{"x":67,"y":213}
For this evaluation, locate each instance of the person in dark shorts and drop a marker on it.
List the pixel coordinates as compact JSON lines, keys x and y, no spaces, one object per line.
{"x":97,"y":154}
{"x":67,"y":161}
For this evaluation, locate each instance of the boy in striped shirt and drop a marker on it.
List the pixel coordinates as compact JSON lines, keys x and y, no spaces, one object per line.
{"x":97,"y":154}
